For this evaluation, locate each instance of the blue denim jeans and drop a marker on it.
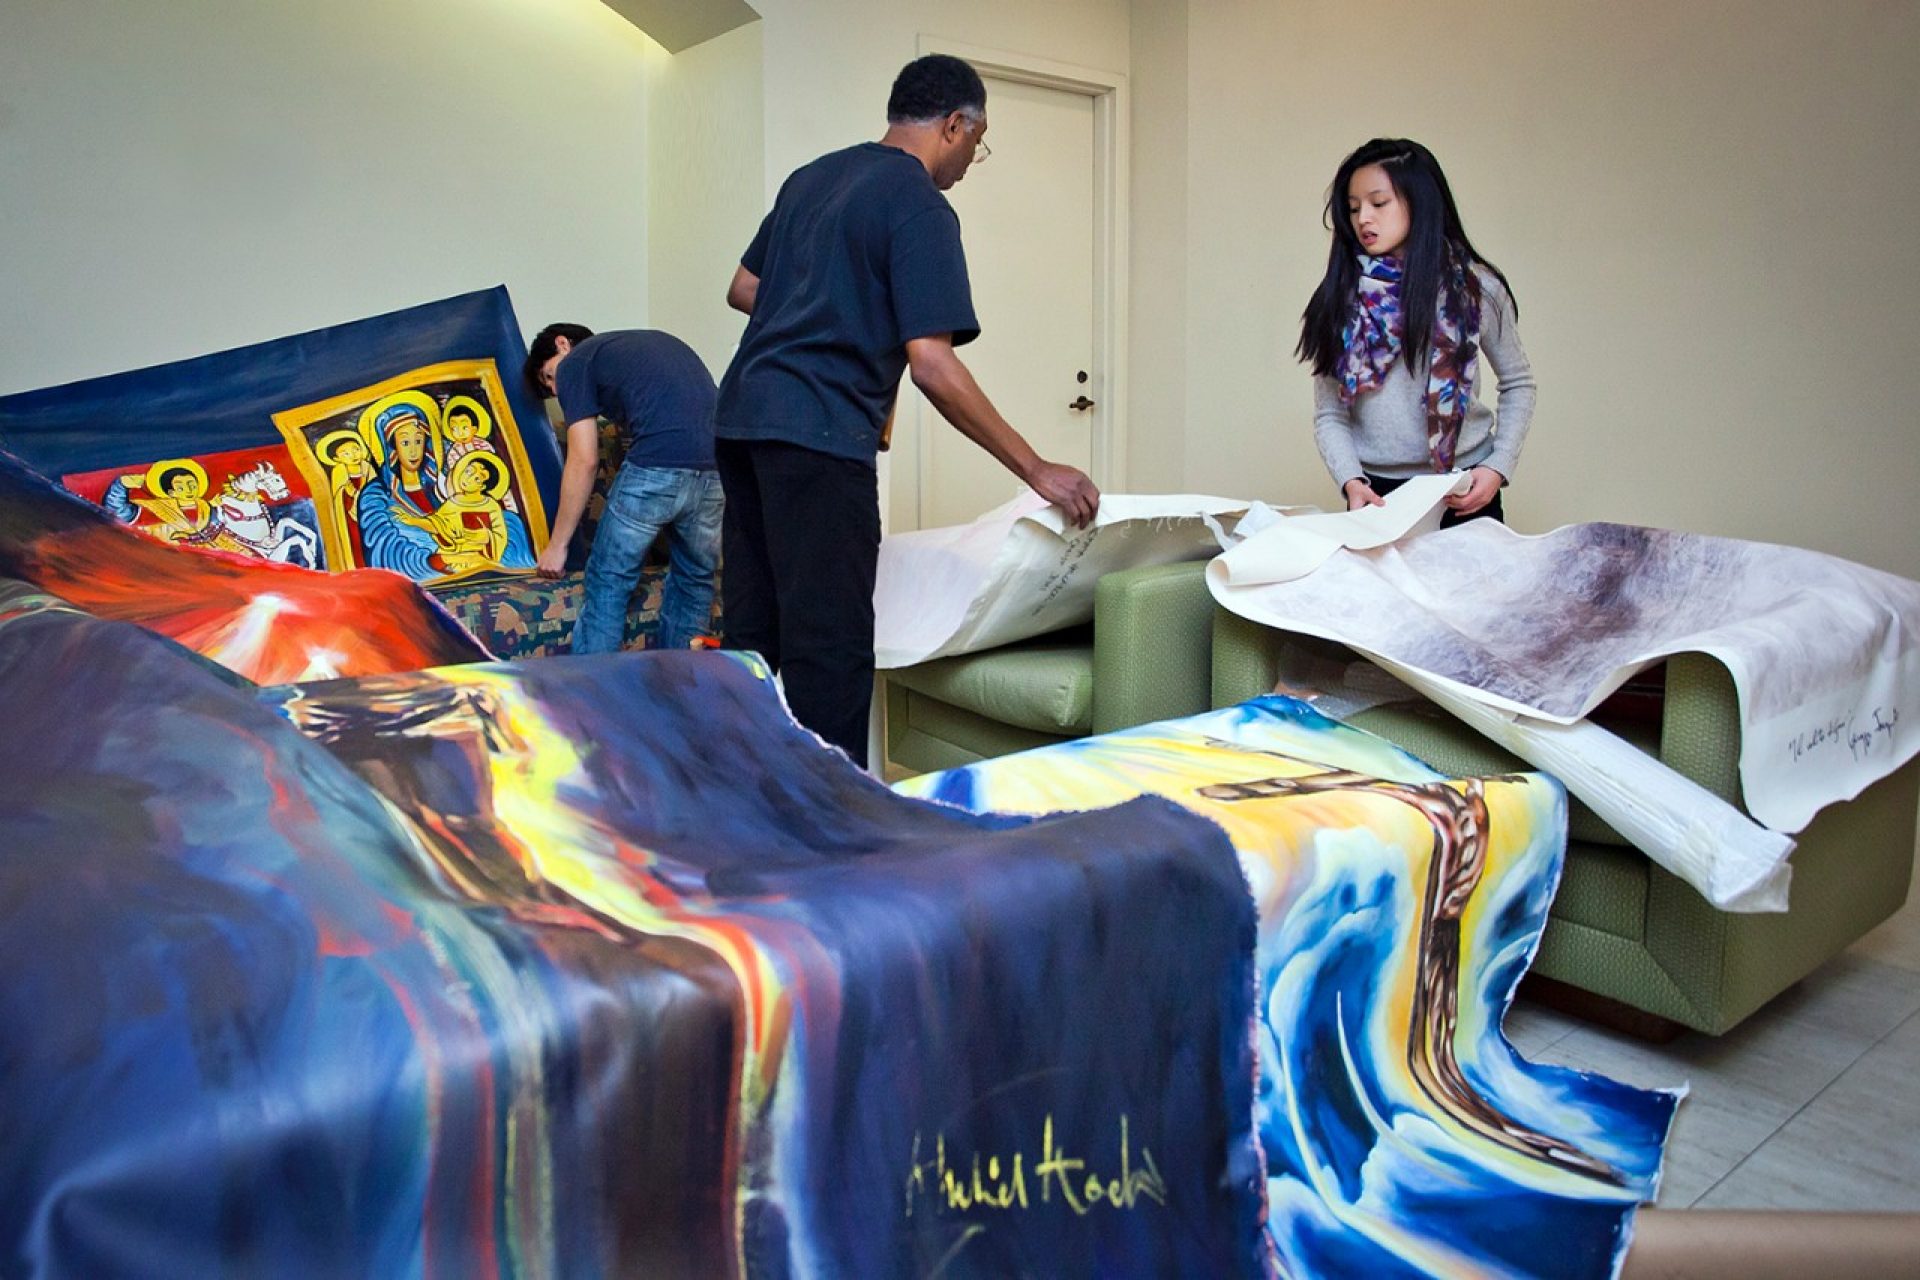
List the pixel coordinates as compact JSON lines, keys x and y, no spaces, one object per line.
{"x":643,"y":501}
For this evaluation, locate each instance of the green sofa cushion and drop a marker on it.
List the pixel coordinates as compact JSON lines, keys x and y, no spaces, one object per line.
{"x":1043,"y":685}
{"x":925,"y":734}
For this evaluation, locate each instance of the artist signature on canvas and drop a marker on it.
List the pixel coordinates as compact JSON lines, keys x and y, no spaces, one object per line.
{"x":992,"y":1182}
{"x":1068,"y":568}
{"x":1860,"y":739}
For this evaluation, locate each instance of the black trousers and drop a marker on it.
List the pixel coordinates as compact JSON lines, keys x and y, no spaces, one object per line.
{"x":799,"y":548}
{"x":1492,"y":511}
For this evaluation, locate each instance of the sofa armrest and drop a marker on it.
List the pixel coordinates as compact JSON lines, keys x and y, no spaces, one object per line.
{"x":1152,"y":638}
{"x":1700,"y":725}
{"x":1851,"y":867}
{"x":1246,"y":658}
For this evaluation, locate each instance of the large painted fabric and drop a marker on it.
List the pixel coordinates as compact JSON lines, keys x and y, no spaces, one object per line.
{"x":591,"y":966}
{"x":227,"y":400}
{"x":1397,"y":908}
{"x":1825,"y":654}
{"x":266,"y":621}
{"x":406,"y":441}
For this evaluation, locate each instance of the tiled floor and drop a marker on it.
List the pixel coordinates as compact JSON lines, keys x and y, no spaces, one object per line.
{"x":1813,"y":1103}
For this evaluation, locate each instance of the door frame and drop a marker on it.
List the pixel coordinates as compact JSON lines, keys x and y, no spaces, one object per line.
{"x":1112,"y":146}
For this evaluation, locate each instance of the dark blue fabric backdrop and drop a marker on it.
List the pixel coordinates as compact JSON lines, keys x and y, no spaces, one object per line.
{"x":227,"y":400}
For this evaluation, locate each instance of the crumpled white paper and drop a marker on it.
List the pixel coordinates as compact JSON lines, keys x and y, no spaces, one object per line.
{"x":1020,"y":570}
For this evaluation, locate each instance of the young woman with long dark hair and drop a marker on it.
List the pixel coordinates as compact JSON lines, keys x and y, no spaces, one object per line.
{"x":1395,"y":333}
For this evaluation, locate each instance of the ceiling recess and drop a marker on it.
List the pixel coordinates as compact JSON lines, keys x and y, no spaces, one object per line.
{"x":681,"y":24}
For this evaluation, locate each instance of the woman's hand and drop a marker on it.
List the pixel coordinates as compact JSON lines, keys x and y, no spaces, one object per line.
{"x":1486,"y":483}
{"x":1360,"y":494}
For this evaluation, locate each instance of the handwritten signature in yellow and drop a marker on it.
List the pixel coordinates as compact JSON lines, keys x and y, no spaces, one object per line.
{"x":993,"y":1183}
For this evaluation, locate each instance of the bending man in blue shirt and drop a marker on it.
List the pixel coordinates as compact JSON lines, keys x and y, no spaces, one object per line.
{"x":856,"y":276}
{"x":656,"y":390}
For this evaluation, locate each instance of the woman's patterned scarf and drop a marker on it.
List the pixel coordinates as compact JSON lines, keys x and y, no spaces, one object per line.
{"x":1372,"y":337}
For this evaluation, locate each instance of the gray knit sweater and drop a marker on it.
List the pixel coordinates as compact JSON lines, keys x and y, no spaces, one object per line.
{"x":1384,"y":432}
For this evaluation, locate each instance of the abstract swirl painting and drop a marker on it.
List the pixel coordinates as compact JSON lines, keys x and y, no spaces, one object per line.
{"x":1402,"y":1135}
{"x":581,"y":967}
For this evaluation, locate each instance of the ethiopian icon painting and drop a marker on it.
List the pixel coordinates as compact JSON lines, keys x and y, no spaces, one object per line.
{"x":423,"y":474}
{"x":248,"y":501}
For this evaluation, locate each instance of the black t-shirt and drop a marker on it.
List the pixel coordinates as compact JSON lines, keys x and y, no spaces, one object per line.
{"x":860,"y":255}
{"x":649,"y":383}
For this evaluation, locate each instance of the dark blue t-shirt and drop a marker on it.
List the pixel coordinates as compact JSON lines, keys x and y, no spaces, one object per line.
{"x":859,"y":256}
{"x":652,"y":385}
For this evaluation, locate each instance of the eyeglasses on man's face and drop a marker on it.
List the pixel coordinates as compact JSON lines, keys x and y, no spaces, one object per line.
{"x":978,"y":126}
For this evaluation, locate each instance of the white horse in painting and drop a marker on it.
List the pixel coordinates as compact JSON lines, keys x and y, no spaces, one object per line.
{"x":243,"y":515}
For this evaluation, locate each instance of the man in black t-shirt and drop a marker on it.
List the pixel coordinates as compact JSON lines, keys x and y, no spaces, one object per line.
{"x":658,"y":392}
{"x":856,"y":276}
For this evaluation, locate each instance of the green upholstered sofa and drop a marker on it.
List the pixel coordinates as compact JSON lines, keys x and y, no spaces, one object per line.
{"x":1144,"y":657}
{"x":1621,"y":927}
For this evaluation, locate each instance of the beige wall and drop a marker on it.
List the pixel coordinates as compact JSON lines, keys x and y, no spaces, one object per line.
{"x":1159,"y":327}
{"x":1706,"y":209}
{"x":198,"y":174}
{"x":830,"y":62}
{"x":706,"y":185}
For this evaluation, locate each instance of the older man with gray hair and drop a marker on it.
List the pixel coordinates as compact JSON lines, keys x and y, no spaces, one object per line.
{"x":855,"y":277}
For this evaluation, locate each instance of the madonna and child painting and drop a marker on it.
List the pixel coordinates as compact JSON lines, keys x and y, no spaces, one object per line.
{"x":414,"y":477}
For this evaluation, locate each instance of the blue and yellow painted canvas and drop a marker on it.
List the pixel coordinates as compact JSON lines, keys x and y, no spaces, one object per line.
{"x":1402,"y":1135}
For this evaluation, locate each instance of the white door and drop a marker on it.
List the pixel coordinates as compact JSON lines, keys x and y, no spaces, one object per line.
{"x":1027,"y":218}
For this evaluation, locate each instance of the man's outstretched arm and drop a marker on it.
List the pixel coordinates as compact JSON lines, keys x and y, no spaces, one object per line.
{"x":950,"y":386}
{"x":745,"y":288}
{"x":576,"y":486}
